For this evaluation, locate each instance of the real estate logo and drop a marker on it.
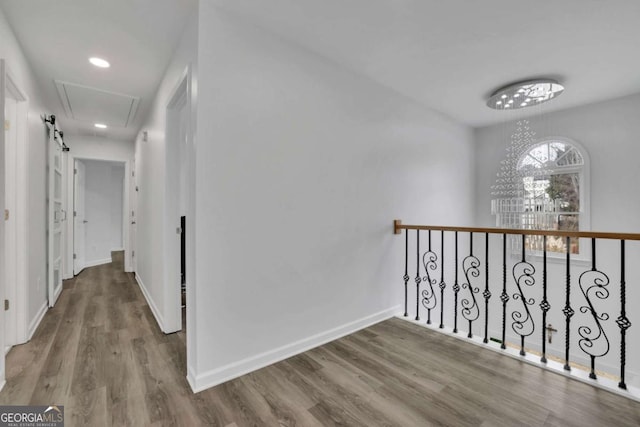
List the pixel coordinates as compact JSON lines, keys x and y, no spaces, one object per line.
{"x":31,"y":416}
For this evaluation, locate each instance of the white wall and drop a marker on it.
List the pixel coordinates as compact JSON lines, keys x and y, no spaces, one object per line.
{"x":610,"y":133}
{"x":36,"y":264}
{"x":301,"y":167}
{"x":153,"y":225}
{"x":98,"y":148}
{"x":104,"y":193}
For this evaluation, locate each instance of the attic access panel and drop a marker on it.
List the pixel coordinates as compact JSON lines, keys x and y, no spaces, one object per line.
{"x":92,"y":105}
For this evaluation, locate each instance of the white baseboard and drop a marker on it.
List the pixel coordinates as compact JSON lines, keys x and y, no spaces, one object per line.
{"x":191,"y":378}
{"x":97,"y":262}
{"x":117,"y":250}
{"x":3,"y":382}
{"x":35,"y":322}
{"x":253,"y":363}
{"x":151,"y":303}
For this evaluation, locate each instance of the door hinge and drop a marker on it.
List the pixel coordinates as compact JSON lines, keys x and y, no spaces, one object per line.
{"x":75,"y":171}
{"x":75,"y":213}
{"x":133,"y":253}
{"x":74,"y":256}
{"x":6,"y":214}
{"x":133,"y":173}
{"x":6,"y":305}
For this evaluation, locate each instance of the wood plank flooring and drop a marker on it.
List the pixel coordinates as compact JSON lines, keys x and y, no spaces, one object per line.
{"x":100,"y":353}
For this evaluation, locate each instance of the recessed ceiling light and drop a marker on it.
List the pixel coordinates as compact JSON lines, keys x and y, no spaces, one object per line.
{"x":99,"y":62}
{"x":542,"y":90}
{"x":100,"y":126}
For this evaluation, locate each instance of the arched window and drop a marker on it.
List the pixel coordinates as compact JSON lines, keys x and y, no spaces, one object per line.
{"x":552,"y":194}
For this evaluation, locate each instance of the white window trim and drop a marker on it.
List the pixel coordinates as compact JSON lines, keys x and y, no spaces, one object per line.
{"x":584,"y":257}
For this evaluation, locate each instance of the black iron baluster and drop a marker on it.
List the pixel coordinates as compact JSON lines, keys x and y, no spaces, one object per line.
{"x":567,"y":310}
{"x":594,"y":343}
{"x":504,"y":297}
{"x":406,"y":271}
{"x":523,"y":323}
{"x":544,"y":305}
{"x":443,"y":285}
{"x":456,"y":289}
{"x":471,"y":268}
{"x":486,"y":294}
{"x":622,"y":320}
{"x":429,"y":300}
{"x":418,"y":279}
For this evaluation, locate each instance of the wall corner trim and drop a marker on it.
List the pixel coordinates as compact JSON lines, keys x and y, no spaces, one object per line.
{"x":151,"y":303}
{"x":236,"y":369}
{"x":35,"y":322}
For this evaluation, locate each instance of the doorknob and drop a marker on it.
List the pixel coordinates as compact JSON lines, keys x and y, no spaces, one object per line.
{"x":84,"y":221}
{"x":133,"y":222}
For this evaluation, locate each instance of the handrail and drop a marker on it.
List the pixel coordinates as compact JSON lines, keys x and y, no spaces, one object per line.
{"x":398,"y":226}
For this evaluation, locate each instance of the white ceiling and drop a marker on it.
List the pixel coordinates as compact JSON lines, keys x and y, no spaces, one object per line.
{"x":137,"y":37}
{"x":450,"y":55}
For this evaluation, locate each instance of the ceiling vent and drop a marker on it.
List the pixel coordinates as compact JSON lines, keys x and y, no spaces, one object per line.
{"x":92,"y":105}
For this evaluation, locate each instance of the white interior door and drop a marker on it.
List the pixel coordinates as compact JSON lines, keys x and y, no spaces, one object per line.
{"x":134,"y":226}
{"x":54,"y":282}
{"x":79,"y":220}
{"x":10,"y":261}
{"x":2,"y":280}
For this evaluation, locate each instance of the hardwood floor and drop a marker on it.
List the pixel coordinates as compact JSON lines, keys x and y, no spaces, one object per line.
{"x":100,"y":353}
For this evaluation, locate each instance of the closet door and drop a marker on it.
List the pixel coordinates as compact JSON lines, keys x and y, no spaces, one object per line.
{"x":55,"y":217}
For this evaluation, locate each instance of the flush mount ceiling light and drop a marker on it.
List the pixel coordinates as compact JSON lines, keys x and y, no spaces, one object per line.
{"x":100,"y":126}
{"x":525,"y":94}
{"x":99,"y":62}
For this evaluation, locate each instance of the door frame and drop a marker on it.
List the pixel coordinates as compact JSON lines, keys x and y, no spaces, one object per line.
{"x":74,"y":192}
{"x":19,"y":237}
{"x":181,"y":97}
{"x":126,"y":226}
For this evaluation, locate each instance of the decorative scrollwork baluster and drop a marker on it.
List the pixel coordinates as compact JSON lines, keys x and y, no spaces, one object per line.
{"x":442,"y":284}
{"x":523,"y":323}
{"x":486,"y":294}
{"x":622,"y":320}
{"x":544,"y":304}
{"x":594,"y":343}
{"x":567,"y":310}
{"x":418,"y":278}
{"x":429,"y":300}
{"x":471,"y":268}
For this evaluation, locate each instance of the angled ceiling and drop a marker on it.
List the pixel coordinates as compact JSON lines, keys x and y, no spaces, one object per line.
{"x":450,"y":55}
{"x":137,"y":37}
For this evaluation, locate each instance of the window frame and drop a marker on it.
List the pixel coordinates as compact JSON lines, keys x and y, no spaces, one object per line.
{"x":583,"y":171}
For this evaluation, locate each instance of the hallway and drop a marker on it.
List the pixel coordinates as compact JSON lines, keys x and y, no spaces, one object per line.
{"x":100,"y":354}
